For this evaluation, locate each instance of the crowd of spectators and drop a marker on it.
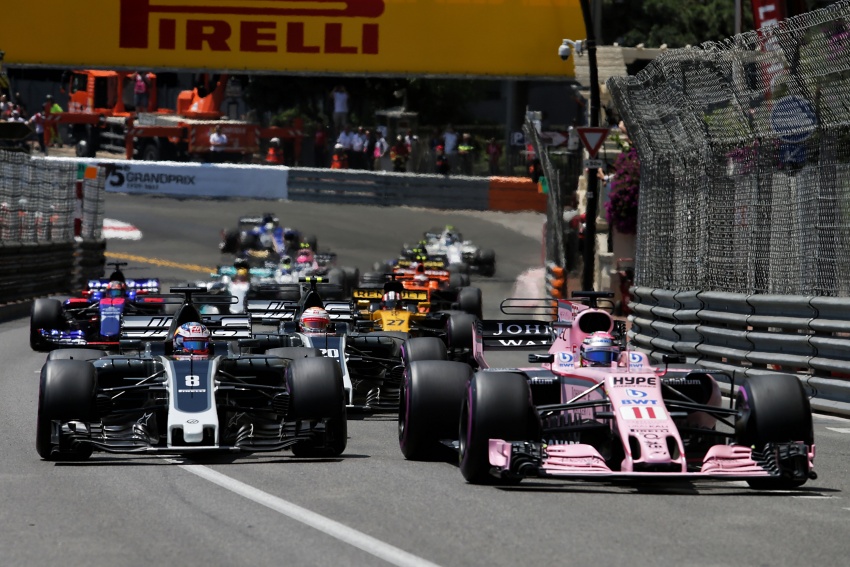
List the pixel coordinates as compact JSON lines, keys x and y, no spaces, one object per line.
{"x":44,"y":133}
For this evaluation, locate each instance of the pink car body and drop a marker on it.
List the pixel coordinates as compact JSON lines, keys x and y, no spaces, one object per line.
{"x":650,"y":417}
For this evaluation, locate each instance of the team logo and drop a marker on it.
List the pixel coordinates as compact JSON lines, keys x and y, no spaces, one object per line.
{"x":636,"y":393}
{"x":250,"y":26}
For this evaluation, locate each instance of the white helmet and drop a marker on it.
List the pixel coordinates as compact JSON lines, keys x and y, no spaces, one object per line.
{"x":315,"y":320}
{"x":391,"y":300}
{"x":192,"y":338}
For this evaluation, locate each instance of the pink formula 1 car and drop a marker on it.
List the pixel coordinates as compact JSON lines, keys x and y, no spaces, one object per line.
{"x":595,"y":411}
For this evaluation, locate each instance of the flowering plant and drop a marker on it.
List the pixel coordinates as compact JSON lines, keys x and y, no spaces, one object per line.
{"x":622,"y":206}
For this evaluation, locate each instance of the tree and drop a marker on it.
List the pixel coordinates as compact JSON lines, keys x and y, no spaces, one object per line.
{"x":676,"y":23}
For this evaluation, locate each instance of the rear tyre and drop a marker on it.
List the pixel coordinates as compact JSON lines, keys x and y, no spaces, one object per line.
{"x":45,"y":314}
{"x":469,"y":300}
{"x":487,"y":262}
{"x":496,"y":406}
{"x":316,"y":394}
{"x":66,"y":392}
{"x":459,"y":331}
{"x":150,"y":152}
{"x":430,"y":407}
{"x":423,"y":348}
{"x":773,"y":409}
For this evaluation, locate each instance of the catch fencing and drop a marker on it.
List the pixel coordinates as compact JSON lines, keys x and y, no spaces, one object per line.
{"x":51,"y":219}
{"x":745,"y":194}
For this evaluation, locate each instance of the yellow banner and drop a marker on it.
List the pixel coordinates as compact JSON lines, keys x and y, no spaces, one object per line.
{"x":499,"y":38}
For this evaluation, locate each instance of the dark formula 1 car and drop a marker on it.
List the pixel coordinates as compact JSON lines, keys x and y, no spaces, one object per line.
{"x":258,"y":233}
{"x":371,"y":360}
{"x":93,"y":318}
{"x":627,"y":420}
{"x":156,"y":401}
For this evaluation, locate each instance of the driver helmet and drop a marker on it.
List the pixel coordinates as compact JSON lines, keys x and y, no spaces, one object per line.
{"x":286,"y":263}
{"x":192,"y":338}
{"x":391,"y":300}
{"x":305,"y":256}
{"x":116,"y":289}
{"x":315,"y":320}
{"x":289,"y":236}
{"x":599,"y":349}
{"x":242,"y":275}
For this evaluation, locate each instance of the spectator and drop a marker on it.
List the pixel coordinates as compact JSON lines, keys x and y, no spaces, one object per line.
{"x":19,"y":100}
{"x":494,"y":154}
{"x":358,"y":144}
{"x":369,"y":150}
{"x":16,"y":116}
{"x":36,"y":121}
{"x":466,"y":153}
{"x":340,"y":158}
{"x":345,"y":139}
{"x":52,"y":132}
{"x":442,"y":162}
{"x":340,"y":98}
{"x":320,"y":146}
{"x":399,"y":154}
{"x":450,"y":144}
{"x":381,"y":153}
{"x":275,"y":154}
{"x":218,"y":144}
{"x":141,"y":87}
{"x":5,"y":106}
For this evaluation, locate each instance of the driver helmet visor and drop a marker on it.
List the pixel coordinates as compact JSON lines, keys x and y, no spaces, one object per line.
{"x":195,"y":346}
{"x":600,"y":356}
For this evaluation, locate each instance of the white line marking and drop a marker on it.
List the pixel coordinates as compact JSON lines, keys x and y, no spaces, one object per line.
{"x":839,"y":429}
{"x":813,"y":497}
{"x":352,"y":537}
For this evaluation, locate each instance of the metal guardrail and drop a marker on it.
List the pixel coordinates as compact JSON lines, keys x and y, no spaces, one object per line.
{"x":747,"y":335}
{"x":32,"y":269}
{"x":346,"y":186}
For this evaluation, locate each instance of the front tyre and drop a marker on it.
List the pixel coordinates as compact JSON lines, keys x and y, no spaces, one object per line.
{"x":773,"y":409}
{"x":430,"y":407}
{"x":316,"y":395}
{"x":497,"y":405}
{"x":45,"y":314}
{"x":66,"y":392}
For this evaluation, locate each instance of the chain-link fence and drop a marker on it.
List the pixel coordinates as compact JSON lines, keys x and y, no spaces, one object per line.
{"x":744,"y":147}
{"x":555,"y":249}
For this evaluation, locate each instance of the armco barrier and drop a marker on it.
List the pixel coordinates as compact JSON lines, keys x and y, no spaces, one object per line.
{"x":30,"y":270}
{"x":383,"y":188}
{"x":746,"y":335}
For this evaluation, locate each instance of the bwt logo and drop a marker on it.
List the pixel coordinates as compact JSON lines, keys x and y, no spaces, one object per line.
{"x":256,"y":30}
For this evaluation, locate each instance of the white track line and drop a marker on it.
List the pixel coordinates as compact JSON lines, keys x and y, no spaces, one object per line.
{"x":370,"y":545}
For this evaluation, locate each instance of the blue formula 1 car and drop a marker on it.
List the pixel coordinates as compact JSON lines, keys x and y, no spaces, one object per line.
{"x":93,"y":318}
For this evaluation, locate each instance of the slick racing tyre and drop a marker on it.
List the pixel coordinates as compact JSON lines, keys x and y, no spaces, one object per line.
{"x":469,"y":300}
{"x":773,"y":409}
{"x":430,"y":407}
{"x":459,"y":331}
{"x":45,"y":314}
{"x":486,"y":259}
{"x":423,"y":348}
{"x":316,"y":394}
{"x":497,"y":405}
{"x":65,"y":393}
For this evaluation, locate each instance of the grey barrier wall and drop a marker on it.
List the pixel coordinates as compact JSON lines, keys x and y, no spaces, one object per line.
{"x":746,"y":335}
{"x":388,"y":189}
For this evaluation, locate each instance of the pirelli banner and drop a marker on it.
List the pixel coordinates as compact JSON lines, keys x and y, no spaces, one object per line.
{"x":504,"y":38}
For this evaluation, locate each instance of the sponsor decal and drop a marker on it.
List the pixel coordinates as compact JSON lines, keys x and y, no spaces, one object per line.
{"x":682,"y":381}
{"x":192,"y":391}
{"x":636,"y":393}
{"x":521,"y":329}
{"x":635,"y":360}
{"x":634,"y":412}
{"x":639,"y":402}
{"x":621,"y":381}
{"x":250,"y":27}
{"x":566,"y":358}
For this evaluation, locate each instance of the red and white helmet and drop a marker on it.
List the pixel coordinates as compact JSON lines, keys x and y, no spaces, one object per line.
{"x":391,"y":300}
{"x":599,"y":349}
{"x":192,"y":338}
{"x":116,"y":288}
{"x":315,"y":320}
